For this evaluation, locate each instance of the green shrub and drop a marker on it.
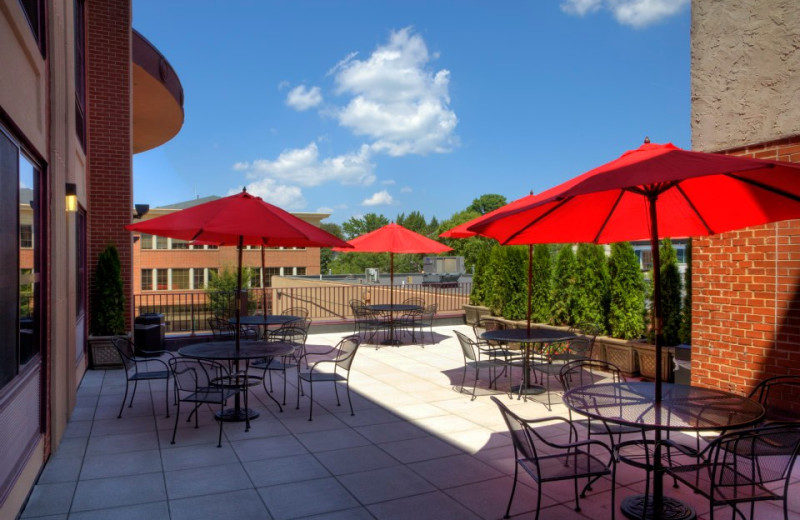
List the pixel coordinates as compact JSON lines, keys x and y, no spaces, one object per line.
{"x":221,"y":291}
{"x":592,"y":283}
{"x":108,"y":299}
{"x":686,"y":317}
{"x":542,"y":286}
{"x":505,"y":279}
{"x":627,"y":304}
{"x":563,"y":299}
{"x":480,"y":277}
{"x":670,"y":293}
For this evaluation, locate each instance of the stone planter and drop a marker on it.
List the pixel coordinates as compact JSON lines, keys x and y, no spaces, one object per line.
{"x":621,"y":353}
{"x":473,"y":313}
{"x":102,"y":353}
{"x":646,"y":354}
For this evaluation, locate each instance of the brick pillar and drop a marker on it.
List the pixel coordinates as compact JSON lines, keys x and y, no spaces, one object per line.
{"x":746,"y":297}
{"x":109,"y":134}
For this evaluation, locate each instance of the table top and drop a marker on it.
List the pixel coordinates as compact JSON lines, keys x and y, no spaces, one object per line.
{"x":393,"y":307}
{"x":260,"y":319}
{"x":226,"y":350}
{"x":523,"y":336}
{"x":682,"y":407}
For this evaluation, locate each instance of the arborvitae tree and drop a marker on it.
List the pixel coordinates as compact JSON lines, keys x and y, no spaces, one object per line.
{"x":670,"y":293}
{"x":626,"y":307}
{"x":480,"y":278}
{"x":108,"y":302}
{"x":592,"y":281}
{"x":507,"y":287}
{"x":542,"y":283}
{"x":563,"y":300}
{"x":221,"y":290}
{"x":686,"y":318}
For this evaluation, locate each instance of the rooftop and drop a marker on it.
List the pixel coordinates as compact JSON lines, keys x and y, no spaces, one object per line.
{"x":417,"y":448}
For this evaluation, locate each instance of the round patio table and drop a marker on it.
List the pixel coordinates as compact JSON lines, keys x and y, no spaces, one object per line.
{"x":388,"y":309}
{"x":529,"y":339}
{"x":682,"y":407}
{"x":227,"y":351}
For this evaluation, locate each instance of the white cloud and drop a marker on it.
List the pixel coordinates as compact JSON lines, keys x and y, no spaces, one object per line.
{"x":398,"y":101}
{"x":635,"y":13}
{"x":325,"y":209}
{"x":302,"y":98}
{"x":381,"y":198}
{"x":285,"y":197}
{"x":241,"y":166}
{"x":406,"y":189}
{"x":303,"y":166}
{"x":389,"y":182}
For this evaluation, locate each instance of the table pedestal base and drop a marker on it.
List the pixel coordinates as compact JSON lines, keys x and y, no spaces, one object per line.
{"x":236,"y":415}
{"x":528,"y":389}
{"x":672,"y":509}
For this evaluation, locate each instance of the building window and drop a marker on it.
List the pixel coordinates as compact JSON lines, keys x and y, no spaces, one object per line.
{"x":180,"y":280}
{"x":269,"y":273}
{"x":162,"y":243}
{"x":80,"y":71}
{"x":26,"y":236}
{"x":146,"y":241}
{"x":179,"y":244}
{"x":35,"y":12}
{"x":147,"y":279}
{"x":198,"y":278}
{"x":162,"y":279}
{"x":300,"y":271}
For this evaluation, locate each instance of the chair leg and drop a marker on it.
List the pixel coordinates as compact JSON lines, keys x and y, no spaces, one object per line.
{"x":336,"y":391}
{"x":133,"y":394}
{"x":513,"y":489}
{"x":347,"y":384}
{"x":166,"y":396}
{"x":175,"y":428}
{"x":221,"y":410}
{"x":124,"y":398}
{"x":311,"y":398}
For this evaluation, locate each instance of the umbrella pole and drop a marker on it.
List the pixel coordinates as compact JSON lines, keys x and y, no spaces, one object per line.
{"x":263,"y":281}
{"x":391,"y":278}
{"x":239,"y":292}
{"x":530,"y":284}
{"x":658,"y":476}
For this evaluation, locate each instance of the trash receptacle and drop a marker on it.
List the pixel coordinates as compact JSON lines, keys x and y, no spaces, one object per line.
{"x":149,"y":330}
{"x":683,"y":364}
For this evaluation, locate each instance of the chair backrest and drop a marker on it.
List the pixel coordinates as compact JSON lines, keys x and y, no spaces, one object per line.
{"x":487,"y":324}
{"x":220,"y":328}
{"x":346,"y":352}
{"x":763,"y":455}
{"x":288,"y":334}
{"x":126,"y":351}
{"x":468,"y":347}
{"x":192,"y":374}
{"x":524,"y":445}
{"x":780,"y":396}
{"x":414,"y":301}
{"x":584,"y":372}
{"x":356,"y":303}
{"x":428,"y":313}
{"x":577,"y":348}
{"x":301,"y":312}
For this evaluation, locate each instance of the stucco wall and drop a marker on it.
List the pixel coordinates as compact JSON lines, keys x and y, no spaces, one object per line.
{"x":745,"y":72}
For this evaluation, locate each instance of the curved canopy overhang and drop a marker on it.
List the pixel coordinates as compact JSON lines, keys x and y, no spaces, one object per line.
{"x":157,"y":97}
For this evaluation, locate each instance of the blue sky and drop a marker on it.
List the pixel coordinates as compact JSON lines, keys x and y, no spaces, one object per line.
{"x":357,"y":106}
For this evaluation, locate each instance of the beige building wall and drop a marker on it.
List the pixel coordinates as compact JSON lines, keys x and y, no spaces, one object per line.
{"x":745,"y":73}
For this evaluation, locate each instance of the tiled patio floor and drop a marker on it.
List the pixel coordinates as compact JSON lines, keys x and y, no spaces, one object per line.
{"x":417,"y":448}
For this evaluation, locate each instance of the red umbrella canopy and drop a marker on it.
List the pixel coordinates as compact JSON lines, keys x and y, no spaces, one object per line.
{"x":695,"y":194}
{"x":242,"y":216}
{"x":394,"y":238}
{"x":462,"y":230}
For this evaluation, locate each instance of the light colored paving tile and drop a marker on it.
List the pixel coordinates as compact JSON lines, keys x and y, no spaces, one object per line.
{"x":302,"y":499}
{"x":242,"y":505}
{"x":422,"y":448}
{"x":267,"y":448}
{"x":65,"y":470}
{"x":283,"y":470}
{"x":380,"y":485}
{"x":202,"y":456}
{"x":121,"y":464}
{"x":353,"y":460}
{"x":454,"y":471}
{"x":119,"y":491}
{"x":195,"y":482}
{"x":332,"y":440}
{"x":123,"y":443}
{"x":394,"y":431}
{"x":430,"y":506}
{"x":151,"y":511}
{"x":49,"y":499}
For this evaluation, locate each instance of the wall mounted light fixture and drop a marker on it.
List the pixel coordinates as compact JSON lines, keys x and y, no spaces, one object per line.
{"x":140,"y":210}
{"x":72,"y":197}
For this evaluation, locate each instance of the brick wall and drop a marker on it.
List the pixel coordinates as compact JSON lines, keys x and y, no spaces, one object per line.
{"x":746,"y":297}
{"x":109,"y":134}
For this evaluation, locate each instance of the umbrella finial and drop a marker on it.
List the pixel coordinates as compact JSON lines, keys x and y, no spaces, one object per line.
{"x":646,"y":140}
{"x":244,"y":189}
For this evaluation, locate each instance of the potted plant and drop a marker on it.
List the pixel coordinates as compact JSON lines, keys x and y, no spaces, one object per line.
{"x":107,"y":309}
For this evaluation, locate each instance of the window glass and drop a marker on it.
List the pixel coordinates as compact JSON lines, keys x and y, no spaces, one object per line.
{"x":147,"y":279}
{"x":147,"y":241}
{"x":199,"y":279}
{"x":179,"y":244}
{"x":29,"y":218}
{"x":270,"y":272}
{"x":25,"y":236}
{"x":162,"y":243}
{"x":162,"y":280}
{"x":301,"y":271}
{"x":180,"y":279}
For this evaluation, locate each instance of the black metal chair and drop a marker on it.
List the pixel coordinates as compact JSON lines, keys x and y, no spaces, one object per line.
{"x":137,"y":368}
{"x":195,"y":382}
{"x":292,"y":334}
{"x":343,"y":355}
{"x":548,"y":461}
{"x":552,"y":358}
{"x":412,"y":321}
{"x":779,"y":395}
{"x":300,"y":312}
{"x":477,"y":357}
{"x":743,"y":466}
{"x":367,"y":323}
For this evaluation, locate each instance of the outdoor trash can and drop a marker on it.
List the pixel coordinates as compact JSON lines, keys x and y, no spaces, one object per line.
{"x":148,"y":332}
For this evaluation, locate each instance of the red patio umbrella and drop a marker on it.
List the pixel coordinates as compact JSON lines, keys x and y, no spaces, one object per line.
{"x":394,"y":238}
{"x":653,"y":192}
{"x":239,"y":220}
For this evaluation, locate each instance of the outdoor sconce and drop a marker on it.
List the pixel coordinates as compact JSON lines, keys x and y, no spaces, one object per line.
{"x":140,"y":210}
{"x":71,"y":197}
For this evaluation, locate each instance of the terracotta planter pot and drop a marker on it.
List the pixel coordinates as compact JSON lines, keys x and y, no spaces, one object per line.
{"x":646,"y":354}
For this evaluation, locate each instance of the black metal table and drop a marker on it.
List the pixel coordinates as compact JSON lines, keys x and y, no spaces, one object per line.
{"x":389,"y":309}
{"x":528,"y":339}
{"x":682,"y":408}
{"x":263,"y":321}
{"x":227,"y":351}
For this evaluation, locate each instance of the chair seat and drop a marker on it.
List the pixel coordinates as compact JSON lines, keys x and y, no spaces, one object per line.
{"x":213,"y":394}
{"x":637,"y":453}
{"x":274,"y":364}
{"x":565,"y":466}
{"x":236,"y":381}
{"x":321,"y":376}
{"x":741,"y":487}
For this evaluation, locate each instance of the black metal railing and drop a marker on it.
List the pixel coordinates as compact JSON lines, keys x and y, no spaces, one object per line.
{"x":188,"y":312}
